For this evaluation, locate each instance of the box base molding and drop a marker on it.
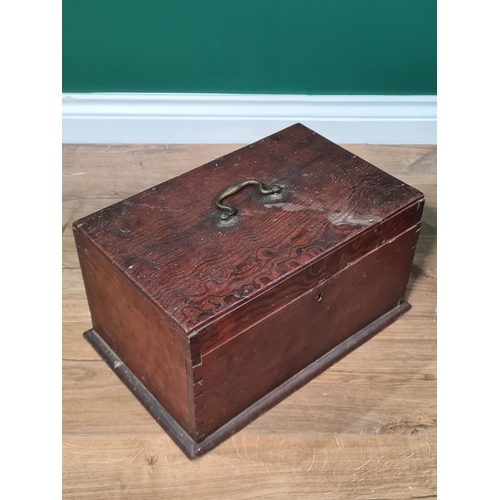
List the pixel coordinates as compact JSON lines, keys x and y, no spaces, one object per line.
{"x":194,"y":449}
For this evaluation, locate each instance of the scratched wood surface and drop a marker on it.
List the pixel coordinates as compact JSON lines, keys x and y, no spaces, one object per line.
{"x":365,"y":428}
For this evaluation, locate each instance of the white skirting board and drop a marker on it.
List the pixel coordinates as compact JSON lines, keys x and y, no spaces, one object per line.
{"x":235,"y":118}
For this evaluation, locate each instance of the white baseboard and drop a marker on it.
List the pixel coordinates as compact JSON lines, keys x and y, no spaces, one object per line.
{"x":228,"y":118}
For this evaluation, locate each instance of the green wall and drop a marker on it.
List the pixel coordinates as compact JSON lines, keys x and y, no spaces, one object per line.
{"x":250,"y":46}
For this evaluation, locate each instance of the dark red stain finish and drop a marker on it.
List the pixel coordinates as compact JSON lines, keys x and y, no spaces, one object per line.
{"x":171,"y":243}
{"x":209,"y":315}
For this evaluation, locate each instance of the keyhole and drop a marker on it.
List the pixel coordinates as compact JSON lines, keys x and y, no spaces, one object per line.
{"x":319,"y":298}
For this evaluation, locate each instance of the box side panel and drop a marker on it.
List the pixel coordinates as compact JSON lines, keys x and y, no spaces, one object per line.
{"x":144,"y":338}
{"x":231,"y":325}
{"x":268,"y":353}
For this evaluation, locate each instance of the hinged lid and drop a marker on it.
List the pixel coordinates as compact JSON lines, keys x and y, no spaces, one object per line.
{"x":173,"y":244}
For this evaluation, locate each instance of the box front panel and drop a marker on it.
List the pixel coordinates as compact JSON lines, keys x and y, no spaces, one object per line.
{"x":260,"y":358}
{"x":231,"y":325}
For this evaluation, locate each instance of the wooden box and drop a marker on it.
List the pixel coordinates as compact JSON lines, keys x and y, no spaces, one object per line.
{"x":213,"y":298}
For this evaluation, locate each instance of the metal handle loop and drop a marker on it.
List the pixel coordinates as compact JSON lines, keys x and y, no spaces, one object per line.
{"x":230,"y":211}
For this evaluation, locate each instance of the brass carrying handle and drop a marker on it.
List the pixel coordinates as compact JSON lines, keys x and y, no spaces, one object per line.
{"x":229,"y":211}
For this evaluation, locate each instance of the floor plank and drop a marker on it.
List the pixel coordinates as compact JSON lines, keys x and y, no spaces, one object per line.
{"x":365,"y":428}
{"x":252,"y":467}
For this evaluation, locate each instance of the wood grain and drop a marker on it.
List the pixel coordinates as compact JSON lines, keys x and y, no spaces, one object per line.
{"x":252,"y":466}
{"x":396,"y":397}
{"x":379,"y":403}
{"x":143,"y":338}
{"x":329,"y":197}
{"x":299,"y":333}
{"x":217,"y":319}
{"x":228,"y":326}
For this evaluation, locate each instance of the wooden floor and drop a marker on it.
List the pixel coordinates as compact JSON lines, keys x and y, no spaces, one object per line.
{"x":364,"y":429}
